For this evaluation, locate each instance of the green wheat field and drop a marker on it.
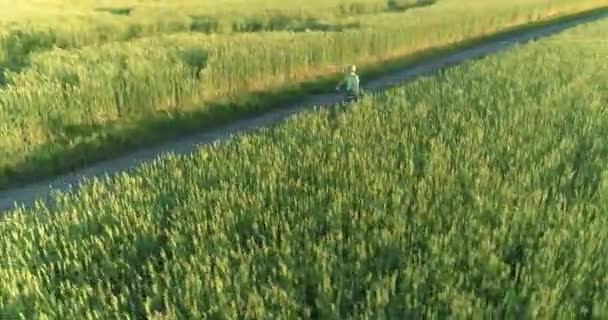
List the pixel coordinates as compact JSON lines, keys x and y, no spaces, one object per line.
{"x":476,"y":193}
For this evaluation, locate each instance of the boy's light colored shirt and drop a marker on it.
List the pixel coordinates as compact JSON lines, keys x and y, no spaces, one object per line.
{"x":352,"y":82}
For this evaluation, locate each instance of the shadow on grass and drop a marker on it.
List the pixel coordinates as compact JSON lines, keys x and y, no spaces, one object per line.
{"x":118,"y":11}
{"x":15,"y":66}
{"x":403,"y":5}
{"x":3,"y":79}
{"x":89,"y":144}
{"x":357,"y":8}
{"x":18,"y":45}
{"x":273,"y":22}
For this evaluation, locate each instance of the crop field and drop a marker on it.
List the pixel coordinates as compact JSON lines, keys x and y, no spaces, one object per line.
{"x":84,"y":82}
{"x":477,"y":192}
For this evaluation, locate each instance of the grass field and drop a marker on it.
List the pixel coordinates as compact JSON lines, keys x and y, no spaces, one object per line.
{"x":84,"y":82}
{"x":477,"y":192}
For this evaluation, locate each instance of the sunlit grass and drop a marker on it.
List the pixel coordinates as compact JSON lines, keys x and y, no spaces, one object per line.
{"x":478,"y":191}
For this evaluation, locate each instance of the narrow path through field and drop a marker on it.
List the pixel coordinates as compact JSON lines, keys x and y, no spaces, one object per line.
{"x":26,"y":196}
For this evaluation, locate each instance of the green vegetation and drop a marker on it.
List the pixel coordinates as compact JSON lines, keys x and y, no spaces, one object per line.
{"x":83,"y":82}
{"x":477,"y":192}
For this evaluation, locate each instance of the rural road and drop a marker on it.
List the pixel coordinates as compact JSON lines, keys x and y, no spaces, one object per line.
{"x":26,"y":196}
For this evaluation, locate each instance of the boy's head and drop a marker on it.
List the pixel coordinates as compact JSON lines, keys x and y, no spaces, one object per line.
{"x":351,"y":68}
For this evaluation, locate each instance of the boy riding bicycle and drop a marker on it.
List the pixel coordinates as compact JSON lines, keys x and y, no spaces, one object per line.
{"x":351,"y":80}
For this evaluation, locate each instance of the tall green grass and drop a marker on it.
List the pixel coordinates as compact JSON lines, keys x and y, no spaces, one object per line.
{"x":479,"y":192}
{"x":62,"y":108}
{"x":95,"y":23}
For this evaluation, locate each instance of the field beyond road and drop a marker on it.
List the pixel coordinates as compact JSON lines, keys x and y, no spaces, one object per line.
{"x":477,"y":192}
{"x":85,"y":82}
